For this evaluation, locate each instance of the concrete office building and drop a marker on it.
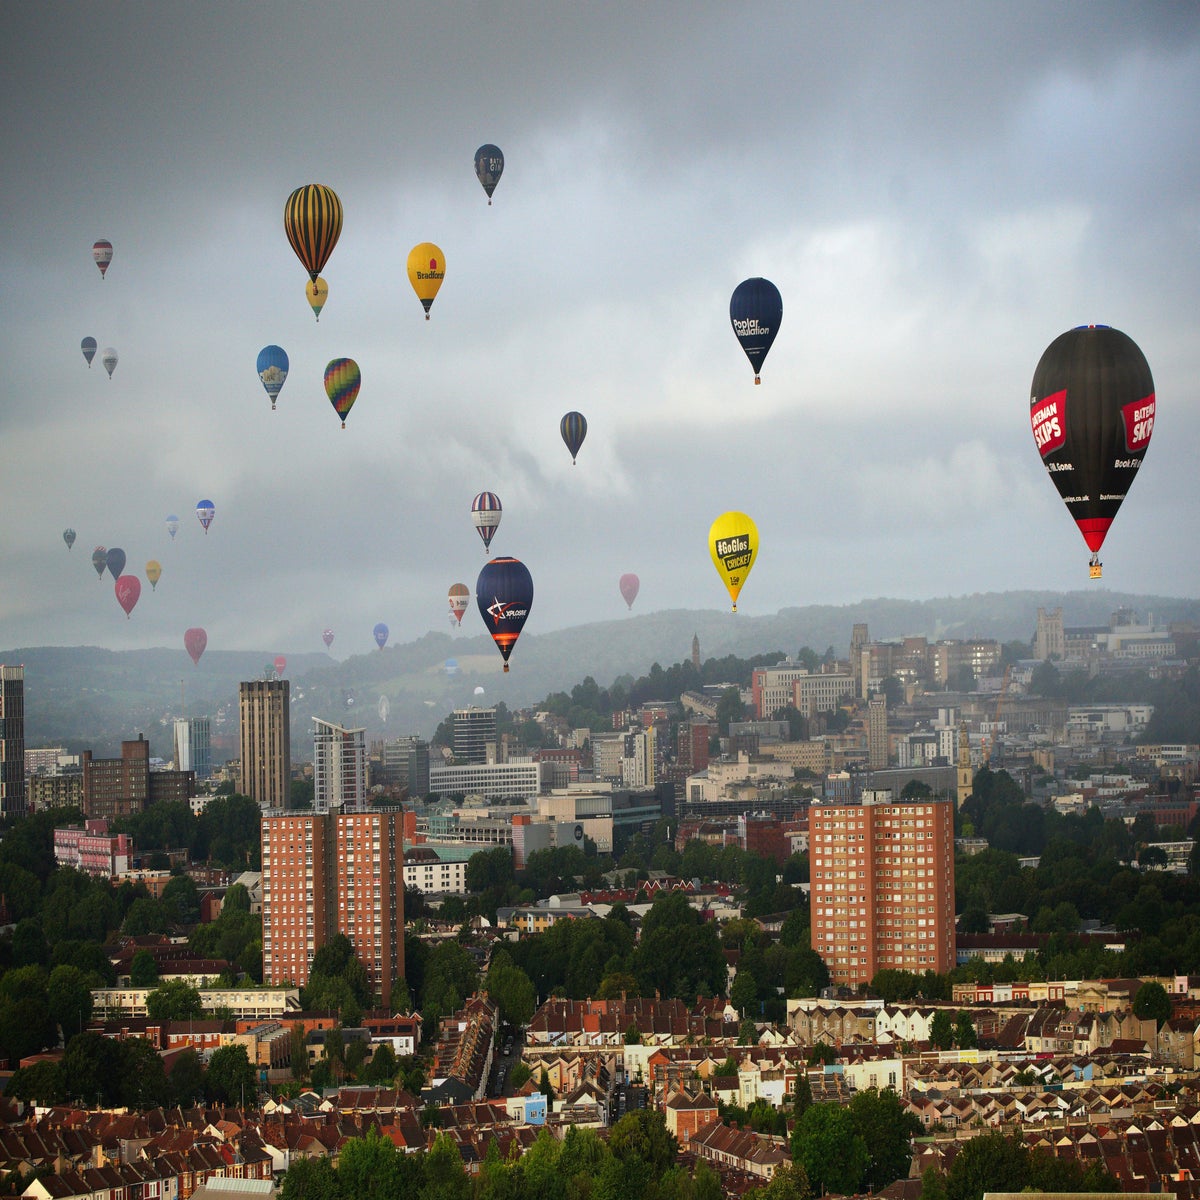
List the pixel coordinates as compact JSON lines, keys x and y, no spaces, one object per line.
{"x":12,"y":741}
{"x":339,"y":767}
{"x":474,"y":732}
{"x":193,"y":745}
{"x":508,"y":783}
{"x":266,"y":742}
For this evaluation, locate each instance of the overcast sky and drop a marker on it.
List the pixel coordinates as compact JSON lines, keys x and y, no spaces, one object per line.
{"x":938,"y":191}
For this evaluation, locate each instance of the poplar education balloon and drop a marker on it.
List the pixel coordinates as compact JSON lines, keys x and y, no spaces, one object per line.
{"x":460,"y":599}
{"x":381,"y":635}
{"x":755,"y":311}
{"x":127,"y":589}
{"x":172,"y":525}
{"x":272,"y":370}
{"x":88,"y":346}
{"x":316,"y":292}
{"x":504,"y":594}
{"x":733,"y":545}
{"x":573,"y":428}
{"x":100,"y":560}
{"x":205,"y":512}
{"x":486,"y":512}
{"x":1091,"y":407}
{"x":280,"y":666}
{"x":489,"y":166}
{"x":114,"y":560}
{"x":426,"y":270}
{"x":312,"y":220}
{"x":108,"y":360}
{"x":327,"y":638}
{"x":629,"y":585}
{"x":342,"y":381}
{"x":153,"y":574}
{"x":69,"y":537}
{"x":102,"y":253}
{"x":194,"y":641}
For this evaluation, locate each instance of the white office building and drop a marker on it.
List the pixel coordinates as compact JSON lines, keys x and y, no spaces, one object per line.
{"x":508,"y":783}
{"x":339,"y":767}
{"x":193,"y":745}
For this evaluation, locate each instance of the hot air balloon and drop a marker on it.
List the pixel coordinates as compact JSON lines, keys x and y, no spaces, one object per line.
{"x":316,"y":292}
{"x":88,"y":346}
{"x":756,"y":310}
{"x":479,"y":691}
{"x":128,"y":588}
{"x":733,"y":543}
{"x":381,"y":635}
{"x":100,"y":560}
{"x":272,"y":369}
{"x":194,"y":641}
{"x":153,"y":574}
{"x":108,"y":360}
{"x":489,"y":166}
{"x":102,"y":253}
{"x":280,"y":665}
{"x":573,"y":428}
{"x":205,"y":511}
{"x":629,"y":588}
{"x":383,"y":708}
{"x":69,"y":537}
{"x":172,"y":525}
{"x":452,"y":666}
{"x":342,"y":381}
{"x":312,"y":220}
{"x":327,"y":638}
{"x":460,"y":598}
{"x":504,"y":594}
{"x":486,"y":512}
{"x":426,"y":270}
{"x":1092,"y":411}
{"x":114,"y":560}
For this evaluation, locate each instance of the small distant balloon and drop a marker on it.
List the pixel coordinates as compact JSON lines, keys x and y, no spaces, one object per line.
{"x":426,"y":270}
{"x":88,"y":346}
{"x":114,"y":560}
{"x":342,"y":381}
{"x":153,"y":574}
{"x":194,"y":641}
{"x":489,"y":166}
{"x":381,"y":635}
{"x":573,"y":428}
{"x":452,"y":666}
{"x":383,"y":708}
{"x":108,"y":360}
{"x":128,"y":588}
{"x":486,"y":512}
{"x":733,"y":545}
{"x":316,"y":292}
{"x":205,"y":511}
{"x":280,"y":665}
{"x":172,"y":525}
{"x":272,"y":369}
{"x":460,"y":599}
{"x":100,"y":560}
{"x":102,"y":253}
{"x":629,"y":585}
{"x":504,"y":594}
{"x":479,"y":691}
{"x":327,"y":638}
{"x":312,"y":220}
{"x":755,"y":311}
{"x":69,"y":537}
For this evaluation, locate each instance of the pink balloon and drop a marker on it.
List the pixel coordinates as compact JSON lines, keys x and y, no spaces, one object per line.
{"x":629,"y":588}
{"x":195,"y":640}
{"x":128,"y":588}
{"x":280,"y":665}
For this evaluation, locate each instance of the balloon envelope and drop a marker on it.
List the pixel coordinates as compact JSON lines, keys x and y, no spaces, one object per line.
{"x":102,"y":253}
{"x":383,"y":708}
{"x":153,"y":573}
{"x":573,"y":428}
{"x":381,"y":635}
{"x":280,"y":665}
{"x":486,"y":512}
{"x":452,"y":666}
{"x":69,"y":537}
{"x":1091,"y":407}
{"x":272,"y":370}
{"x":504,"y":594}
{"x":108,"y":360}
{"x":172,"y":525}
{"x":489,"y":166}
{"x":479,"y":691}
{"x":460,"y":599}
{"x":100,"y":560}
{"x":629,"y":588}
{"x":755,"y":311}
{"x":88,"y":346}
{"x":342,"y":381}
{"x":733,"y":544}
{"x":205,"y":511}
{"x":114,"y":560}
{"x":194,"y":641}
{"x":327,"y":638}
{"x":128,"y":588}
{"x":316,"y":292}
{"x":426,"y":270}
{"x":312,"y":220}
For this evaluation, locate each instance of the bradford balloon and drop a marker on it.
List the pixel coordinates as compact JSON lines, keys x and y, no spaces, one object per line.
{"x":127,"y":588}
{"x":153,"y":574}
{"x":504,"y":594}
{"x":194,"y":641}
{"x":733,"y":544}
{"x":755,"y":311}
{"x":108,"y":360}
{"x":312,"y":220}
{"x":114,"y":560}
{"x":205,"y":512}
{"x":342,"y":381}
{"x":426,"y":270}
{"x":460,"y":599}
{"x":88,"y":346}
{"x":381,"y":635}
{"x":573,"y":428}
{"x":272,"y":368}
{"x":69,"y":537}
{"x":489,"y":166}
{"x":629,"y":585}
{"x":102,"y":253}
{"x":172,"y":525}
{"x":316,"y":292}
{"x":327,"y":638}
{"x":100,"y":560}
{"x":1091,"y":407}
{"x":486,"y":512}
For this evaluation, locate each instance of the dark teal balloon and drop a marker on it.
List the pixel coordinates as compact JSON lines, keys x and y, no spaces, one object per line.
{"x":573,"y":428}
{"x":756,"y":311}
{"x":504,"y":593}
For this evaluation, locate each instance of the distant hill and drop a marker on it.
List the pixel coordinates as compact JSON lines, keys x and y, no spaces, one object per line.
{"x":83,"y":697}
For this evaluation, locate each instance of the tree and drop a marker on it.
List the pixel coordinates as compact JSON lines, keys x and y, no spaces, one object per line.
{"x":644,"y":1133}
{"x":1151,"y":1003}
{"x":187,"y":1078}
{"x":965,"y":1037}
{"x":887,"y":1130}
{"x":69,"y":999}
{"x":802,"y":1097}
{"x":231,"y":1077}
{"x":143,"y":970}
{"x":174,"y":1000}
{"x":941,"y":1030}
{"x":990,"y":1162}
{"x":833,"y":1154}
{"x":311,"y":1179}
{"x":743,"y":993}
{"x":382,"y":1067}
{"x":790,"y":1182}
{"x":511,"y":989}
{"x":933,"y":1184}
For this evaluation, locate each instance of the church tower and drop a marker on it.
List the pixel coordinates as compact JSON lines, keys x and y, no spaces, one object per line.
{"x":966,"y":777}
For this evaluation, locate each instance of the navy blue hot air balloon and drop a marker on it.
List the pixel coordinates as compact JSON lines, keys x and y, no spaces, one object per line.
{"x":504,"y":593}
{"x":114,"y":560}
{"x":573,"y":428}
{"x":489,"y":166}
{"x":755,"y":311}
{"x":88,"y":346}
{"x":381,"y":635}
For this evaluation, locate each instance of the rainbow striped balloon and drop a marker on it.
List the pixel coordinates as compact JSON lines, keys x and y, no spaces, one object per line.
{"x":342,"y":381}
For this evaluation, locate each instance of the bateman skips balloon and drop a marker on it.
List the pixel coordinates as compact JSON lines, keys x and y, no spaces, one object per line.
{"x":755,"y":311}
{"x":1091,"y":407}
{"x":108,"y":360}
{"x":342,"y":381}
{"x":504,"y":594}
{"x":153,"y":574}
{"x":327,"y":638}
{"x":489,"y":166}
{"x":88,"y":346}
{"x":114,"y":560}
{"x":426,"y":270}
{"x":486,"y":512}
{"x":100,"y":560}
{"x":205,"y":511}
{"x":381,"y":635}
{"x":272,"y":369}
{"x":69,"y":537}
{"x":194,"y":641}
{"x":312,"y":220}
{"x":316,"y":292}
{"x":629,"y":588}
{"x":573,"y":428}
{"x":460,"y":599}
{"x":280,"y":665}
{"x":127,"y":588}
{"x":172,"y":525}
{"x":733,"y":543}
{"x":102,"y":253}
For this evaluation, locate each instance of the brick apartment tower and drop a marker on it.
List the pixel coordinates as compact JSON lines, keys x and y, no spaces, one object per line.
{"x":266,"y":742}
{"x":330,"y":873}
{"x":882,"y":886}
{"x":12,"y":741}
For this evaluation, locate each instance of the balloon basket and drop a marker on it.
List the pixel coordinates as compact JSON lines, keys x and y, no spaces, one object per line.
{"x":506,"y":668}
{"x":1094,"y":570}
{"x":757,"y":381}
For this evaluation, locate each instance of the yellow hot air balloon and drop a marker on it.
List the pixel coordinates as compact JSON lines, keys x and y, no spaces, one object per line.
{"x":426,"y":269}
{"x":316,"y":293}
{"x":153,"y":573}
{"x":733,"y":544}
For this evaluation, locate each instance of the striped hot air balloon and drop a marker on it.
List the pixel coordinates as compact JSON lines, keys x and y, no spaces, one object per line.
{"x":312,"y":220}
{"x":573,"y":428}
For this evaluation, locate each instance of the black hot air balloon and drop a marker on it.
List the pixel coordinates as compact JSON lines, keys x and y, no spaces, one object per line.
{"x":573,"y":428}
{"x":755,"y":311}
{"x":1092,"y":411}
{"x":114,"y":560}
{"x":312,"y":220}
{"x":504,"y":593}
{"x":489,"y":166}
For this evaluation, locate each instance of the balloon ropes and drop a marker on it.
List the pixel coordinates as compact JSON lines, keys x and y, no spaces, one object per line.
{"x":573,"y":428}
{"x":489,"y":166}
{"x":504,"y":594}
{"x":272,"y":370}
{"x":426,"y":270}
{"x":733,"y":544}
{"x":486,"y":512}
{"x":1091,"y":407}
{"x":755,"y":311}
{"x":312,"y":220}
{"x":342,"y":381}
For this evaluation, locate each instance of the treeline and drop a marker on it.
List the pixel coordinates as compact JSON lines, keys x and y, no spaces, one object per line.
{"x":227,"y":834}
